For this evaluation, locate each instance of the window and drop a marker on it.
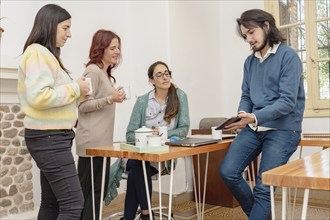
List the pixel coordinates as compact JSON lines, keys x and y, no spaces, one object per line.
{"x":306,"y":26}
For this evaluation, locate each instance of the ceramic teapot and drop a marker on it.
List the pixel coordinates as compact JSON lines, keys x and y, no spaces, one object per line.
{"x":141,"y":136}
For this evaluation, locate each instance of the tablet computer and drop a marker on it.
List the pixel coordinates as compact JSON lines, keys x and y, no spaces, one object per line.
{"x":228,"y":122}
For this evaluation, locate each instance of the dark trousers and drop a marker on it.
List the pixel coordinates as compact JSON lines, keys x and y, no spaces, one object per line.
{"x":84,"y":172}
{"x":61,"y":195}
{"x":136,"y":191}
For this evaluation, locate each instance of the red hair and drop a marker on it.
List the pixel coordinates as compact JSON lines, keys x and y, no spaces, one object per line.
{"x":101,"y":40}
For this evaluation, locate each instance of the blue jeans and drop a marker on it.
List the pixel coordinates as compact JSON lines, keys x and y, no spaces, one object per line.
{"x":61,"y":194}
{"x":276,"y":147}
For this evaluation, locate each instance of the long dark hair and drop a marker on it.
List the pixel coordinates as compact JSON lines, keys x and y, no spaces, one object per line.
{"x":44,"y":29}
{"x":101,"y":40}
{"x":257,"y":18}
{"x":173,"y":102}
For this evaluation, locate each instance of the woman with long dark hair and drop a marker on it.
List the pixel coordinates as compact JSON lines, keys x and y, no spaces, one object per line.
{"x":48,"y":97}
{"x":165,"y":105}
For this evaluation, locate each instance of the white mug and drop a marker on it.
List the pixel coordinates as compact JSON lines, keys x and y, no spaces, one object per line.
{"x":127,"y":90}
{"x":89,"y":80}
{"x":162,"y":131}
{"x":216,"y":134}
{"x":154,"y":141}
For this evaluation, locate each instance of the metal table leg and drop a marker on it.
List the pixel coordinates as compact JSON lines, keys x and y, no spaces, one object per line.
{"x":272,"y":201}
{"x":102,"y":186}
{"x":93,"y":193}
{"x":147,"y":188}
{"x":305,"y":203}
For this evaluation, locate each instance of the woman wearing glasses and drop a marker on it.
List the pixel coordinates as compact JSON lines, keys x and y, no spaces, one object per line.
{"x":165,"y":105}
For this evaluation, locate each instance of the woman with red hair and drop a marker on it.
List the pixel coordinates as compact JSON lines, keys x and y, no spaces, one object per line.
{"x":97,"y":114}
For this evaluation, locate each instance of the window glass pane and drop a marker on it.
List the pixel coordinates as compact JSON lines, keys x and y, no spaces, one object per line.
{"x":323,"y":39}
{"x":305,"y":79}
{"x":294,"y":18}
{"x":324,"y":69}
{"x":291,"y":11}
{"x":295,"y":37}
{"x":323,"y":8}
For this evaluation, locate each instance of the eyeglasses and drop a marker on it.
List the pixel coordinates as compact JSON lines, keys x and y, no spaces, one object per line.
{"x":161,"y":75}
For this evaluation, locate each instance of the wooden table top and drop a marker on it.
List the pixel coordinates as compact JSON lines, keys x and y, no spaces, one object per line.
{"x":324,"y":142}
{"x":310,"y":172}
{"x":177,"y":152}
{"x":173,"y":153}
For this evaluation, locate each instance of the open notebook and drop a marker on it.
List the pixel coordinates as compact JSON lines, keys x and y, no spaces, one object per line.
{"x":192,"y":142}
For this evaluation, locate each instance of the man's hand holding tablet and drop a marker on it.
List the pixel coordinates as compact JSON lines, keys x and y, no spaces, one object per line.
{"x":227,"y":122}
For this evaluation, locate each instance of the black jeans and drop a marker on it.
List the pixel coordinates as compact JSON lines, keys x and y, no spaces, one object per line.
{"x":61,"y":195}
{"x":84,"y":172}
{"x":136,"y":192}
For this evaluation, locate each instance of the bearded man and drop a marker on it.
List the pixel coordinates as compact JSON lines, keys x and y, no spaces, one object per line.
{"x":271,"y":111}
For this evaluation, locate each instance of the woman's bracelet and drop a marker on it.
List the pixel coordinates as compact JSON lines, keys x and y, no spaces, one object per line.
{"x":109,"y":99}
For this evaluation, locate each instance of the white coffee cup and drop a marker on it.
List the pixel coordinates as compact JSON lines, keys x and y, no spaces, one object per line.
{"x":154,"y":141}
{"x":162,"y":131}
{"x":127,"y":90}
{"x":216,"y":134}
{"x":89,"y":80}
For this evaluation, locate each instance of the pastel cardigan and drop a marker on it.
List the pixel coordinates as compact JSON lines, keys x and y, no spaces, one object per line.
{"x":47,"y":95}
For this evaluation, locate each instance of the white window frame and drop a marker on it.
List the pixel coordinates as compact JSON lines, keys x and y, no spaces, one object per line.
{"x":315,"y":107}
